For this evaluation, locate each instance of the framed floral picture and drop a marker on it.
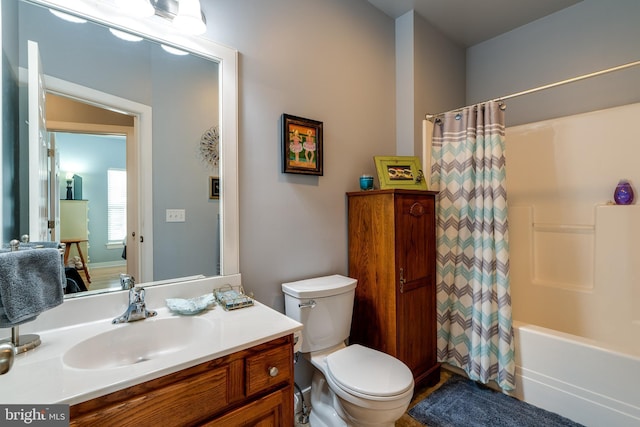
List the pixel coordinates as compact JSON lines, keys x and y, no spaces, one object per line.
{"x":214,"y":188}
{"x":400,"y":172}
{"x":302,"y":147}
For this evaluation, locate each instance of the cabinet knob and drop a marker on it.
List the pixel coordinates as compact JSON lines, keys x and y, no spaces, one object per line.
{"x":273,"y":371}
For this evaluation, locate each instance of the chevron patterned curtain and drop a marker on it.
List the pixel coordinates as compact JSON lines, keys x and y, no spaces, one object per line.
{"x":472,"y":269}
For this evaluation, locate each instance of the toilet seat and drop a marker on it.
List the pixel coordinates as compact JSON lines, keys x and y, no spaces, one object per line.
{"x":368,"y":373}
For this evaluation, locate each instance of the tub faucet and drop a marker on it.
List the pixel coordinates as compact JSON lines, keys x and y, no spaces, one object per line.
{"x":137,"y":309}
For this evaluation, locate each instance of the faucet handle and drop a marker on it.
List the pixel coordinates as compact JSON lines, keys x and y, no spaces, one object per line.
{"x":136,"y":295}
{"x":127,"y":281}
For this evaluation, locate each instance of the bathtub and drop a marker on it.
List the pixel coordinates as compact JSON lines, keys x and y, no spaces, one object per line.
{"x":576,"y":377}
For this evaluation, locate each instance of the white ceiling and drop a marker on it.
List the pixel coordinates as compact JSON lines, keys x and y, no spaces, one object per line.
{"x":469,"y":22}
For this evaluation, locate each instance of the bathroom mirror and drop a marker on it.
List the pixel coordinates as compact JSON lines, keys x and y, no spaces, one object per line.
{"x":170,"y":101}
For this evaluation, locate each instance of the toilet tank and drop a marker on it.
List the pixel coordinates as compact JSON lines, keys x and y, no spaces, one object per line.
{"x":324,"y":306}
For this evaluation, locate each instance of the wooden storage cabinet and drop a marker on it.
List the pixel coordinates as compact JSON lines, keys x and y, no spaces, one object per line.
{"x":392,"y":249}
{"x":250,"y":387}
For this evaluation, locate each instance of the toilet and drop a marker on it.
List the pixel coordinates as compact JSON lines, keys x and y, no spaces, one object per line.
{"x":351,"y":385}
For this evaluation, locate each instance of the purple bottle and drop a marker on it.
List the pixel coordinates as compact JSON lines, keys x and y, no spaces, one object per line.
{"x":624,"y":193}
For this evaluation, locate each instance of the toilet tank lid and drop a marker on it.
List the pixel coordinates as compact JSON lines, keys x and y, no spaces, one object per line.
{"x":319,"y":286}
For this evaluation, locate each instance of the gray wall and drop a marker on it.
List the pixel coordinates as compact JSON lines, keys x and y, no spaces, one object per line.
{"x":590,"y":36}
{"x":329,"y":60}
{"x":334,"y":61}
{"x":430,"y":78}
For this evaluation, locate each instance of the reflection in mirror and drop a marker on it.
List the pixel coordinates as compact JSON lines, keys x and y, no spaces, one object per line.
{"x":126,"y":120}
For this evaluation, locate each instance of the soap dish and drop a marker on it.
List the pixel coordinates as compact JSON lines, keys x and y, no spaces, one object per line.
{"x":190,"y":306}
{"x":232,"y":297}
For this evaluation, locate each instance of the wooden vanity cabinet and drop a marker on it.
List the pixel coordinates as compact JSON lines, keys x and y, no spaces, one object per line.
{"x":250,"y":387}
{"x":392,"y":249}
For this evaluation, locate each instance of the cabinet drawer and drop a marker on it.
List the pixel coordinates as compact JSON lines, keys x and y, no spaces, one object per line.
{"x":180,"y":403}
{"x":268,"y":369}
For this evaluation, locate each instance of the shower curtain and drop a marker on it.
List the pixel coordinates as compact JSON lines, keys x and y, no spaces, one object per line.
{"x":472,"y":269}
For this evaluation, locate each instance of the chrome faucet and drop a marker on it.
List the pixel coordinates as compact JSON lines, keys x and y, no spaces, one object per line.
{"x":127,"y":281}
{"x":137,"y":309}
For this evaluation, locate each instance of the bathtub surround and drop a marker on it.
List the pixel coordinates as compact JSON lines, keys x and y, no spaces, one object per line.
{"x":574,"y":268}
{"x":472,"y":265}
{"x":463,"y":403}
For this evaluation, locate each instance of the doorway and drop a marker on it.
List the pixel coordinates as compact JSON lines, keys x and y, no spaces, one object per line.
{"x":95,"y":147}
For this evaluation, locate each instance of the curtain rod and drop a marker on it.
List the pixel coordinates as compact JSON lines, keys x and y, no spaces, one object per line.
{"x":548,"y":86}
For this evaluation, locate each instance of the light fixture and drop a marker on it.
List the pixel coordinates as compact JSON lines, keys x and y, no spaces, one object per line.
{"x":136,"y":8}
{"x":189,"y":17}
{"x":185,"y":15}
{"x":69,"y":181}
{"x":125,"y":36}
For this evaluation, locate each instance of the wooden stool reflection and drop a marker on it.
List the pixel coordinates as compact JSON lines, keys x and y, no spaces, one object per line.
{"x":67,"y":248}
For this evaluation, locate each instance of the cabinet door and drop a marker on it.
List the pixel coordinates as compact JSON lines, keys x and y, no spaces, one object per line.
{"x":371,"y":262}
{"x":273,"y":410}
{"x":415,"y":282}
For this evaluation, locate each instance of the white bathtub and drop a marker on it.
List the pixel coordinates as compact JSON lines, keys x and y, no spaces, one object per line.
{"x":577,"y":378}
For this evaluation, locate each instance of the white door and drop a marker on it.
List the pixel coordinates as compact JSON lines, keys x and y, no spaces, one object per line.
{"x":54,"y":189}
{"x":38,"y":149}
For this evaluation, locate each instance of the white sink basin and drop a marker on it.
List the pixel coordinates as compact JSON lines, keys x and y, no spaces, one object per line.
{"x":137,"y":342}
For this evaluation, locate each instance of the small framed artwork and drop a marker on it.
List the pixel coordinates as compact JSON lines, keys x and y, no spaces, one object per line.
{"x":214,"y":187}
{"x":400,"y":172}
{"x":301,"y":145}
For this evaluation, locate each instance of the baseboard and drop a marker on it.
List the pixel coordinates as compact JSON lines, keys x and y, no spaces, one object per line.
{"x":107,"y":264}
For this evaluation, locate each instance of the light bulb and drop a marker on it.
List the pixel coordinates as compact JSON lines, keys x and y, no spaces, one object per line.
{"x":136,"y":8}
{"x":189,"y":17}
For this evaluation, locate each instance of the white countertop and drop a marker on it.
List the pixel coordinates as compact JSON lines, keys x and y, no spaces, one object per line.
{"x":40,"y":376}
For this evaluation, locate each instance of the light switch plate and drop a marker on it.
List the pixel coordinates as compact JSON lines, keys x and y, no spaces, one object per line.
{"x":175,"y":215}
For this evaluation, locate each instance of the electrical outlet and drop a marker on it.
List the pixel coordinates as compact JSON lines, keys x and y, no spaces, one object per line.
{"x":175,"y":215}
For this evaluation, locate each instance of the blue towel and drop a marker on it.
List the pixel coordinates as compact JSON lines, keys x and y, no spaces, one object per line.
{"x":32,"y":245}
{"x":31,"y":281}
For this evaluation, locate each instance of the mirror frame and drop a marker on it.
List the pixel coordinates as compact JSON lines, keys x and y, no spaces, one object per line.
{"x":157,"y":30}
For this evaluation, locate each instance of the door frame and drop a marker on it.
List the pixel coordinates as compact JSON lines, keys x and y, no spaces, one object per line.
{"x":141,"y":161}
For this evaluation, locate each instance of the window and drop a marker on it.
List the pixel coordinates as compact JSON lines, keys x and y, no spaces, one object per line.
{"x":116,"y":205}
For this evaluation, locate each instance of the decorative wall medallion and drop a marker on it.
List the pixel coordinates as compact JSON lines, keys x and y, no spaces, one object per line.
{"x":209,"y":146}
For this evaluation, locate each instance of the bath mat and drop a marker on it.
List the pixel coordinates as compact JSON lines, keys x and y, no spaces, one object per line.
{"x":460,"y":402}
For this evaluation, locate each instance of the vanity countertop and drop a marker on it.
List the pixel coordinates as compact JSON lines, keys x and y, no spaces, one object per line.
{"x":40,"y":376}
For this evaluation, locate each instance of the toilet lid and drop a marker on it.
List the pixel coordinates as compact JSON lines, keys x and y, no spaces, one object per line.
{"x":369,"y":372}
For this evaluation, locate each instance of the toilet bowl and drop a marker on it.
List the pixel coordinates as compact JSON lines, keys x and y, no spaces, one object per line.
{"x":366,"y":387}
{"x":352,"y":385}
